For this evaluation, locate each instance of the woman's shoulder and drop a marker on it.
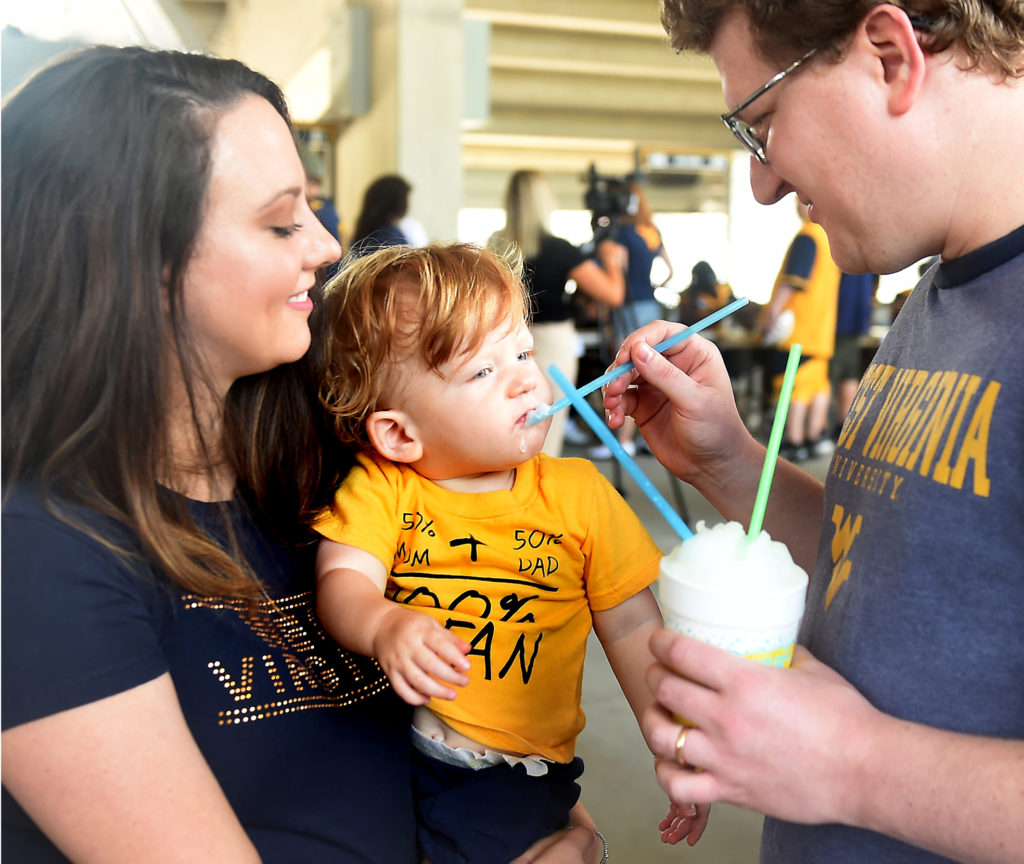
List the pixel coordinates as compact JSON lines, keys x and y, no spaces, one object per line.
{"x":58,"y":555}
{"x":86,"y":616}
{"x":55,"y":526}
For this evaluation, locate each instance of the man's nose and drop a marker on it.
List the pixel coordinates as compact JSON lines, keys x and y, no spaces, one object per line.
{"x":767,"y":186}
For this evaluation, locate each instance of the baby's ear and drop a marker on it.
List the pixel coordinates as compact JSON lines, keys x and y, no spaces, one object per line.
{"x":393,"y":436}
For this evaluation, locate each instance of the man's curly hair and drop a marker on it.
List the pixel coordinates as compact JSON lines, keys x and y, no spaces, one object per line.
{"x":988,"y":33}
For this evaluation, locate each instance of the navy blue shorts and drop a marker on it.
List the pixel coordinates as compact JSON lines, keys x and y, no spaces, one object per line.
{"x":492,"y":815}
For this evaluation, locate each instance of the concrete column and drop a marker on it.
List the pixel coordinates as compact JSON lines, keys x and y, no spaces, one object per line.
{"x":412,"y":126}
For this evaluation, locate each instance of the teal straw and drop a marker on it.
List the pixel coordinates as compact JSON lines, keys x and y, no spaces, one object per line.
{"x":774,"y":440}
{"x":611,"y":442}
{"x":539,"y":414}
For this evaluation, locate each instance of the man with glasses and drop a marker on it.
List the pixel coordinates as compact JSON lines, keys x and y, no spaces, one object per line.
{"x":898,"y":735}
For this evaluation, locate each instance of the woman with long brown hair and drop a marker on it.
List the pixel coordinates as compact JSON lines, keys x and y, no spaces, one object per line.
{"x":168,"y":691}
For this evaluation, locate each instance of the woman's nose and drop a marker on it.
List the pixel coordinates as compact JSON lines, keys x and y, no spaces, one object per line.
{"x":324,"y":248}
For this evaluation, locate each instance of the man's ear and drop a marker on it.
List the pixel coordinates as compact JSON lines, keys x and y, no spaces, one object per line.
{"x":393,"y":436}
{"x":892,"y":39}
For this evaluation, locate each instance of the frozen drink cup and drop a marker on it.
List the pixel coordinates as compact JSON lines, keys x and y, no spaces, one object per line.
{"x":746,"y":597}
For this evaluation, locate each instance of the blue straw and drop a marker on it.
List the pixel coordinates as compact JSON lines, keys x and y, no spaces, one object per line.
{"x":605,"y":434}
{"x":539,"y":414}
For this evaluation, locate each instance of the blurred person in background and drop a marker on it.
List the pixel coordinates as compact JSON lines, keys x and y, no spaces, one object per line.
{"x":705,"y":294}
{"x":853,"y":321}
{"x":636,"y":232}
{"x":385,"y":205}
{"x":802,"y":310}
{"x":549,"y":263}
{"x":322,"y":206}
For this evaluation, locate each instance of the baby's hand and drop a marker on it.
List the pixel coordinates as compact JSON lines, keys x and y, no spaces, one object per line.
{"x":418,"y":654}
{"x":684,"y":820}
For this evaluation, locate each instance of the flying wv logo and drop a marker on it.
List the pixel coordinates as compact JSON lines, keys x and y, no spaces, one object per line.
{"x":847,"y":529}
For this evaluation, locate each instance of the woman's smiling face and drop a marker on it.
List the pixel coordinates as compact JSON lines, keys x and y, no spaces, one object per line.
{"x":258,"y":249}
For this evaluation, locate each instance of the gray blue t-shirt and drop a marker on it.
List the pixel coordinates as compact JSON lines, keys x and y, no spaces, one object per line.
{"x":918,"y":592}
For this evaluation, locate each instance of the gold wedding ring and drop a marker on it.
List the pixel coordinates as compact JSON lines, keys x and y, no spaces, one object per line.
{"x":680,"y":743}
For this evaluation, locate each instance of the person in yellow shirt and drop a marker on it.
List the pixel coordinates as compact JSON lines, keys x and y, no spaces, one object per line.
{"x":470,"y":563}
{"x":802,"y":310}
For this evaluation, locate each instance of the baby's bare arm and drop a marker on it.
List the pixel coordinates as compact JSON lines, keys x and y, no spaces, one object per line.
{"x":416,"y":652}
{"x":625,"y":632}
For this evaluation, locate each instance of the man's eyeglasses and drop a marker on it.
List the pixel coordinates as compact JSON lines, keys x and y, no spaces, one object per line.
{"x":743,"y":131}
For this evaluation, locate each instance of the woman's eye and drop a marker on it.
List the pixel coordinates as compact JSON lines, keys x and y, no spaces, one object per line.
{"x":285,"y":230}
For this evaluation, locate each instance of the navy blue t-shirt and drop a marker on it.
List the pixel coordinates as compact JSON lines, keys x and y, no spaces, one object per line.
{"x":379,"y":238}
{"x":641,"y":259}
{"x":308,"y":741}
{"x":856,"y":297}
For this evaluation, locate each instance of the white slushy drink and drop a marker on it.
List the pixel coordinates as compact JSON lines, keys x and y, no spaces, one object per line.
{"x":745,"y":597}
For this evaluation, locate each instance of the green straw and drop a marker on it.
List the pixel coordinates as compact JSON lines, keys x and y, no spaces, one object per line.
{"x":774,"y":440}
